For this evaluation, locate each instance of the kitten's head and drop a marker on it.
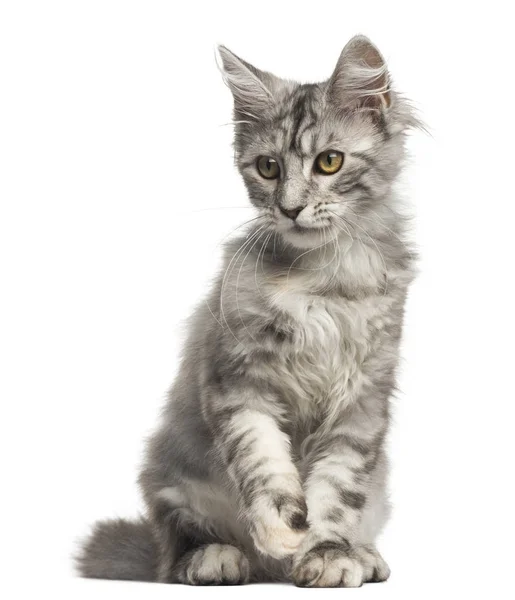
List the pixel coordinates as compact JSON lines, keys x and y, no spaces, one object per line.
{"x":317,"y":157}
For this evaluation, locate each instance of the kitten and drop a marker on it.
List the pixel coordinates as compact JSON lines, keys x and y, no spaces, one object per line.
{"x":269,"y":463}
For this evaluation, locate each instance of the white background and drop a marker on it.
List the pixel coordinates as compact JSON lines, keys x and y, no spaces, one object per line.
{"x":115,"y":169}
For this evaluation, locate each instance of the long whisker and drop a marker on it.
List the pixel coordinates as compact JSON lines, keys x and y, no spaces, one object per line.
{"x":218,"y":245}
{"x":337,"y":252}
{"x":378,"y":222}
{"x":262,"y":251}
{"x":381,"y":224}
{"x":197,"y":210}
{"x":239,"y":227}
{"x":343,"y":226}
{"x":304,"y":254}
{"x":346,"y":229}
{"x":229,"y":269}
{"x":354,"y":224}
{"x":233,"y":123}
{"x":238,"y":252}
{"x":238,"y":281}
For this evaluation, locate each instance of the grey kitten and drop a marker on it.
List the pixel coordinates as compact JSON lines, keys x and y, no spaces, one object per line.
{"x":269,"y":463}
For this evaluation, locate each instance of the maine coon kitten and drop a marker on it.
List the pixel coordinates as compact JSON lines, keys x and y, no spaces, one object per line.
{"x":269,"y":462}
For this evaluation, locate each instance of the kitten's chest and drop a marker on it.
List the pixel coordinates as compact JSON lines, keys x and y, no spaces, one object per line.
{"x":331,"y":339}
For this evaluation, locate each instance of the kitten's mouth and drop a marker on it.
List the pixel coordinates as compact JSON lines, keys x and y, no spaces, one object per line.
{"x":298,"y":228}
{"x":307,"y":236}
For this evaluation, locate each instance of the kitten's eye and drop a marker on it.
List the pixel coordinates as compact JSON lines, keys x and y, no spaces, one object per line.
{"x":268,"y":167}
{"x":329,"y":162}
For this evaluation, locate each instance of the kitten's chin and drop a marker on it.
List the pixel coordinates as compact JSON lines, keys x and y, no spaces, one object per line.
{"x":305,"y":239}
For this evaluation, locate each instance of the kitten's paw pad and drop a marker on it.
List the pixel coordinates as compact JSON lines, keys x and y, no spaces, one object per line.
{"x":282,"y":528}
{"x":328,"y":565}
{"x":216,"y":564}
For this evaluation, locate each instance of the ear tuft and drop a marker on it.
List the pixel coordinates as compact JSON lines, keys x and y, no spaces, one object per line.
{"x":251,"y":88}
{"x":361,"y":76}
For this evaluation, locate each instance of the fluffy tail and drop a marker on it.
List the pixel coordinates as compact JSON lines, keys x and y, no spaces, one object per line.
{"x":119,"y":549}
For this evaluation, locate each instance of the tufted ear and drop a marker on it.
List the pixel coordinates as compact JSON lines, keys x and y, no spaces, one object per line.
{"x":252,"y":89}
{"x":361,"y":76}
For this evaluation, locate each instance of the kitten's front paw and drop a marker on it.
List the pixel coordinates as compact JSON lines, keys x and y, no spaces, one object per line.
{"x":331,"y":564}
{"x":279,"y":524}
{"x":374,"y":565}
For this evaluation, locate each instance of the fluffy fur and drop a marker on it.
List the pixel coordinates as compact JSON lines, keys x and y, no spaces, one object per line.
{"x":269,"y":462}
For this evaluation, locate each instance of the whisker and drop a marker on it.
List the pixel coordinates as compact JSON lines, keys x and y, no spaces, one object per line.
{"x":234,"y":123}
{"x":229,"y":270}
{"x":381,"y":224}
{"x":374,"y":221}
{"x":346,"y":230}
{"x":197,"y":210}
{"x":377,"y":248}
{"x":218,"y":245}
{"x":263,"y":254}
{"x":238,"y":282}
{"x":238,"y":227}
{"x":337,"y":252}
{"x":303,"y":254}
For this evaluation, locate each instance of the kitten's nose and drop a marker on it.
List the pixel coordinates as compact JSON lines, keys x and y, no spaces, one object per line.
{"x":291,"y":213}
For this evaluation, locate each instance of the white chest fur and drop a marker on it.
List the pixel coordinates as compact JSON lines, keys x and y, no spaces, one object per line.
{"x":331,"y":339}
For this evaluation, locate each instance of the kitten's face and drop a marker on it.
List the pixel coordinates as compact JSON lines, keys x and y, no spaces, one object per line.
{"x":310,"y":168}
{"x":316,"y":158}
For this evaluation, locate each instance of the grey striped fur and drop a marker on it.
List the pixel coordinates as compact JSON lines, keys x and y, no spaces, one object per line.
{"x":269,"y":462}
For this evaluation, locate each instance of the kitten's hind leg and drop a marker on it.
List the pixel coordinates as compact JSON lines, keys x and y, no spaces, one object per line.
{"x":176,"y":538}
{"x":193,"y":555}
{"x":213,"y":564}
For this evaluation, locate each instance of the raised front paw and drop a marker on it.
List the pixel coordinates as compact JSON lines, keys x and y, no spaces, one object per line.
{"x":278,"y":523}
{"x":332,"y":564}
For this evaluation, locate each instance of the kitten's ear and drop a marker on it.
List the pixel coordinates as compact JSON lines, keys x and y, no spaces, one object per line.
{"x":361,"y":76}
{"x":252,"y":89}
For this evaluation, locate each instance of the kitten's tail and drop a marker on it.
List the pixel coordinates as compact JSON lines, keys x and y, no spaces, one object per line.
{"x":119,"y":549}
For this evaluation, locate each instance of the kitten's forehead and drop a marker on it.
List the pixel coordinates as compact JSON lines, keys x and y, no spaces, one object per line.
{"x":304,"y":124}
{"x":299,"y":118}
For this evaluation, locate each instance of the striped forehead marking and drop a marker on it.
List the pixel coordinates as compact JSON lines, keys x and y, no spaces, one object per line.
{"x":299,"y":117}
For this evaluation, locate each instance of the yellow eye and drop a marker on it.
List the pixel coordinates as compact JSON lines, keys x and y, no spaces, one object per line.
{"x":329,"y":162}
{"x":268,"y":167}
